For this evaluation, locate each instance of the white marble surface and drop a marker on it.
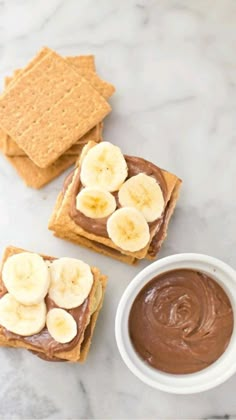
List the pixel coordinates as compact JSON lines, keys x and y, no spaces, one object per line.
{"x":173,"y":63}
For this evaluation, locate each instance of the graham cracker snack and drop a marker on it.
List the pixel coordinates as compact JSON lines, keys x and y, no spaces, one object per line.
{"x":48,"y":305}
{"x":67,"y":107}
{"x":117,"y":205}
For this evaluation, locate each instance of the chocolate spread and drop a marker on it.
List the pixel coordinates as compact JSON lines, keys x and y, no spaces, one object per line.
{"x":52,"y":358}
{"x":68,"y":181}
{"x":181,"y":322}
{"x":98,"y":226}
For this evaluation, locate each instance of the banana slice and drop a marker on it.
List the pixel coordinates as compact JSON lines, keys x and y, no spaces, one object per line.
{"x":128,"y":229}
{"x":26,"y":277}
{"x":143,"y":193}
{"x":104,"y":166}
{"x":71,"y":282}
{"x":97,"y":298}
{"x":21,"y":319}
{"x":95,"y":202}
{"x":61,"y":325}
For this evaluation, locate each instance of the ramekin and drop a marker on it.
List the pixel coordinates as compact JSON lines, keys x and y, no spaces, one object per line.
{"x":205,"y":379}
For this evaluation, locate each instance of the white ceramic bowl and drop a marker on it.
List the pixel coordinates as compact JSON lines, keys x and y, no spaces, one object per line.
{"x":205,"y":379}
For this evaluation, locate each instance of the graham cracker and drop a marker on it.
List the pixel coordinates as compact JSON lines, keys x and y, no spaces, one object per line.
{"x":64,"y":226}
{"x":39,"y":56}
{"x":84,"y":65}
{"x":36,"y":177}
{"x":32,"y":175}
{"x":157,"y":241}
{"x":67,"y":107}
{"x":104,"y":88}
{"x":53,"y":217}
{"x":2,"y":139}
{"x":70,"y":355}
{"x":94,"y":246}
{"x":82,"y":62}
{"x":86,"y":343}
{"x":11,"y":149}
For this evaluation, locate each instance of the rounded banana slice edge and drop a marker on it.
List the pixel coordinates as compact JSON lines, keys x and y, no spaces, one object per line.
{"x":71,"y":282}
{"x":95,"y":203}
{"x":128,"y":229}
{"x":21,"y":319}
{"x":61,"y":325}
{"x":97,"y":298}
{"x":104,"y":166}
{"x":143,"y":193}
{"x":26,"y":277}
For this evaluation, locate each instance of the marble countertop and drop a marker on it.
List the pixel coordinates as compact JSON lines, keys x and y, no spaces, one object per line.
{"x":173,"y":63}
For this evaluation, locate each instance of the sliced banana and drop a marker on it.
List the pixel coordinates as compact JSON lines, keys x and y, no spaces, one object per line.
{"x":104,"y":166}
{"x":26,"y":277}
{"x":21,"y":319}
{"x":143,"y":193}
{"x":71,"y":282}
{"x":96,"y":298}
{"x":95,"y":202}
{"x":61,"y":325}
{"x":128,"y":229}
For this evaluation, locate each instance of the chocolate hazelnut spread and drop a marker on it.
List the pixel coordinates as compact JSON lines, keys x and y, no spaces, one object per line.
{"x":98,"y":226}
{"x":52,"y":358}
{"x":181,"y":322}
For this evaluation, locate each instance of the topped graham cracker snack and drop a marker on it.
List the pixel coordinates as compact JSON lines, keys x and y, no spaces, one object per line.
{"x":49,"y":109}
{"x":115,"y":204}
{"x":49,"y":305}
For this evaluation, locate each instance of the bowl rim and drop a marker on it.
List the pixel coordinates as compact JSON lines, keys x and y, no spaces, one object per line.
{"x":220,"y":370}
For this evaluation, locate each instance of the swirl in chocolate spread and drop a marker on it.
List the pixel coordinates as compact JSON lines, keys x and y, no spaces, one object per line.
{"x":43,"y":340}
{"x":98,"y":226}
{"x":181,"y":322}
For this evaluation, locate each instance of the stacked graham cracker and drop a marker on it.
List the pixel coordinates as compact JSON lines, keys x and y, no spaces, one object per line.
{"x":42,"y":344}
{"x":48,"y":111}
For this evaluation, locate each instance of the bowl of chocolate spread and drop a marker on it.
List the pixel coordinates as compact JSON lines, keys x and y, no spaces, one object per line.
{"x":176,"y":323}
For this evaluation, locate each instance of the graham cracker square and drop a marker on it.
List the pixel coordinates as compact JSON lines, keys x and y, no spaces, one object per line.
{"x":64,"y":226}
{"x":77,"y":353}
{"x":67,"y":107}
{"x":85,"y":65}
